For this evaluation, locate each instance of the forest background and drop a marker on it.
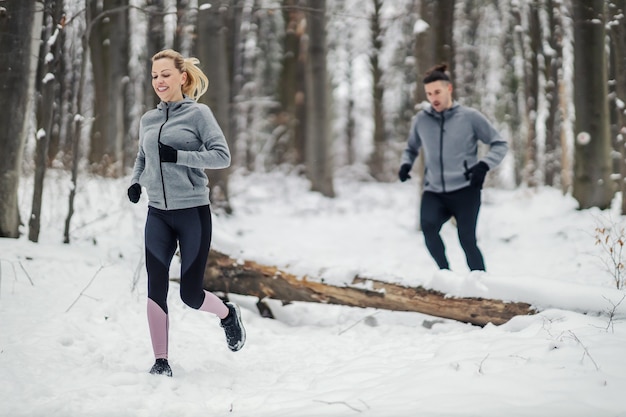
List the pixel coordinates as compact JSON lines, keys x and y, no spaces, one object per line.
{"x":313,"y":87}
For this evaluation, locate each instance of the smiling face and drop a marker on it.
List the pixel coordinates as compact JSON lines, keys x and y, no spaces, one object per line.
{"x":167,"y":80}
{"x":439,"y":94}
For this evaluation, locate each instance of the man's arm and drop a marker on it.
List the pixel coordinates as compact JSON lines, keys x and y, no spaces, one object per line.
{"x":486,"y":133}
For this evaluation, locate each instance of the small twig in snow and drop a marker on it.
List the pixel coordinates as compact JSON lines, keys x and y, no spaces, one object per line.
{"x":102,"y":216}
{"x":342,"y":403}
{"x":137,"y":274}
{"x":14,"y":271}
{"x":357,"y":322}
{"x":584,"y":348}
{"x":612,"y":314}
{"x":85,"y":289}
{"x":27,"y":275}
{"x":480,"y":367}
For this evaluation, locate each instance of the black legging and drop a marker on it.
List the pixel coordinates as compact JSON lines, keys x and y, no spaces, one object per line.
{"x":438,"y":208}
{"x":191,"y":228}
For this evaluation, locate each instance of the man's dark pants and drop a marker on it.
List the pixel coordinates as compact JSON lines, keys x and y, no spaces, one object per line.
{"x":438,"y":208}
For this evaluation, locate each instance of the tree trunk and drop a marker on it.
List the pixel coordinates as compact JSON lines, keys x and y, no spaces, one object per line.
{"x":566,"y":106}
{"x":108,"y":43}
{"x":236,"y":72}
{"x":514,"y":106}
{"x":155,"y":41}
{"x":224,"y":274}
{"x":553,"y":64}
{"x":318,"y":158}
{"x":377,"y":159}
{"x":618,"y":50}
{"x":45,"y":85}
{"x":468,"y":58}
{"x":433,"y":45}
{"x":16,"y":33}
{"x":186,"y":20}
{"x":424,"y":52}
{"x":61,"y":91}
{"x":77,"y":121}
{"x":532,"y":51}
{"x":593,"y":186}
{"x":212,"y":52}
{"x":291,"y":85}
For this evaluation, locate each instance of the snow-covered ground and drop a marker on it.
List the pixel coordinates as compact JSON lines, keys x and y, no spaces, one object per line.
{"x":74,"y":338}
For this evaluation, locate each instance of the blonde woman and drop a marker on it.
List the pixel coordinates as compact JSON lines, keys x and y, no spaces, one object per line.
{"x":177,"y":141}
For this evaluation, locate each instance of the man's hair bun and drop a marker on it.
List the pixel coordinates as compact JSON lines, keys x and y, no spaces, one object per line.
{"x":437,"y":73}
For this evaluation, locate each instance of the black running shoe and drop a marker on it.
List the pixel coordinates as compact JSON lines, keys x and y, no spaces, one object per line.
{"x":161,"y":367}
{"x":233,"y":328}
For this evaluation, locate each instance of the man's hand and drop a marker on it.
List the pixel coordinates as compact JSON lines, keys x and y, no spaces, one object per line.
{"x":403,"y":174}
{"x":476,"y":174}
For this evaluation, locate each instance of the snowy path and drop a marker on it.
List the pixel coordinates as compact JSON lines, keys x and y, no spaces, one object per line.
{"x":66,"y":355}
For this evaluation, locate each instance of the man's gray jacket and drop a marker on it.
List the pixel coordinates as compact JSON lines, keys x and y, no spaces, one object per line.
{"x":449,"y":142}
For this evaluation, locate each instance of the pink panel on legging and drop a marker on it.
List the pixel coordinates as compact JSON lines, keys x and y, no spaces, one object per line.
{"x":158,"y":322}
{"x":213,"y":304}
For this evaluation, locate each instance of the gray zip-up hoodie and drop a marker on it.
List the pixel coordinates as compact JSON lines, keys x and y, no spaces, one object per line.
{"x":449,"y":141}
{"x":190,"y":128}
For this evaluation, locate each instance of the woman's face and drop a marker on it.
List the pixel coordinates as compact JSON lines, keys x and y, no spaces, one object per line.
{"x":167,"y":80}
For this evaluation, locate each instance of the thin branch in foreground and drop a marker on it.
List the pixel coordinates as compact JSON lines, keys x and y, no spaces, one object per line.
{"x":342,"y":403}
{"x":368,"y":317}
{"x":14,"y":271}
{"x":27,"y":275}
{"x":612,"y":313}
{"x":480,"y":367}
{"x":85,"y":289}
{"x":585,"y":349}
{"x":137,"y":274}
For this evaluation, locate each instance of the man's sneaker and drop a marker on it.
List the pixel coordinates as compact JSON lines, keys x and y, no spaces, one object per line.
{"x":161,"y":367}
{"x":233,"y":328}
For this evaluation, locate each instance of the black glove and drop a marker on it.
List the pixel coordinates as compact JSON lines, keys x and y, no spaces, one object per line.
{"x":476,"y":174}
{"x":167,"y":153}
{"x":134,"y":192}
{"x":403,"y":174}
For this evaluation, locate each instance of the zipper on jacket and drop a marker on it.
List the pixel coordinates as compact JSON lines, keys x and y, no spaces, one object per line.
{"x":167,"y":114}
{"x":443,"y":182}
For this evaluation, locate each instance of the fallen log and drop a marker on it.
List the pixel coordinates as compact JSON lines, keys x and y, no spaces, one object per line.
{"x":225,"y":274}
